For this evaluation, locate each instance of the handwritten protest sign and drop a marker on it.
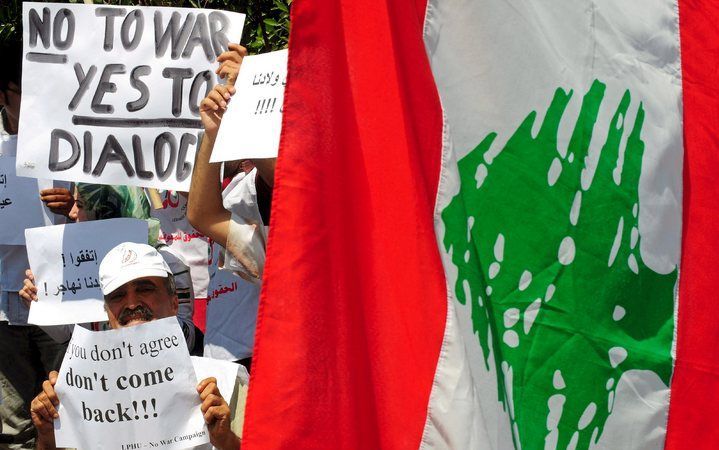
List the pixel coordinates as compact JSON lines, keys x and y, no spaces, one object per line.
{"x":130,"y":388}
{"x":20,"y":205}
{"x":111,"y":94}
{"x":252,"y":123}
{"x":65,"y":260}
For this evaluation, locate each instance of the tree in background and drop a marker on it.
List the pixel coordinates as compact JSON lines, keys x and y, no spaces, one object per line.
{"x":267,"y":26}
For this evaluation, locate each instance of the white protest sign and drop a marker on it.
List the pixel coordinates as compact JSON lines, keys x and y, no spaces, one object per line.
{"x":130,"y":388}
{"x":251,"y":126}
{"x":65,"y":260}
{"x":20,"y":205}
{"x":111,"y":94}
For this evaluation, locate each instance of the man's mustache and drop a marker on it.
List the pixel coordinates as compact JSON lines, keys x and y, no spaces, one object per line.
{"x":140,"y":312}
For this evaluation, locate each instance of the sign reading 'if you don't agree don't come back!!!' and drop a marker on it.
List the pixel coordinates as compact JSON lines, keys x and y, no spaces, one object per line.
{"x":111,"y":94}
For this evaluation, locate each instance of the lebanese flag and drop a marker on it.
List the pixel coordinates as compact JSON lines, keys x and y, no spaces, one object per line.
{"x":477,"y":224}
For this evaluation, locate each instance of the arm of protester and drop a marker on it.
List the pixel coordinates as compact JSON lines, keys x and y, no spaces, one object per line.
{"x":58,"y":200}
{"x":217,"y":416}
{"x":28,"y":293}
{"x":204,"y":210}
{"x":204,"y":205}
{"x":43,"y":410}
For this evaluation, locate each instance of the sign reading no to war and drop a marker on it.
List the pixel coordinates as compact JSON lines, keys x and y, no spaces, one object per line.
{"x":111,"y":94}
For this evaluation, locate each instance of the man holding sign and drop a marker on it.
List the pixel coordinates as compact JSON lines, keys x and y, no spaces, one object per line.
{"x":138,"y":287}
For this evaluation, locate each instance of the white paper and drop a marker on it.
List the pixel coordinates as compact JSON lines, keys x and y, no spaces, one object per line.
{"x":130,"y":388}
{"x":20,"y":205}
{"x":140,"y":125}
{"x":251,"y":126}
{"x":65,"y":260}
{"x":225,"y":372}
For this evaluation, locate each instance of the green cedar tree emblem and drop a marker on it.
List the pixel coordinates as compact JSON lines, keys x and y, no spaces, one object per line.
{"x":548,"y":260}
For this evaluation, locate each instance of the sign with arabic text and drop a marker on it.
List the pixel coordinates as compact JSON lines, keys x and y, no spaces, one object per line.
{"x":20,"y":205}
{"x":251,"y":125}
{"x":65,"y":260}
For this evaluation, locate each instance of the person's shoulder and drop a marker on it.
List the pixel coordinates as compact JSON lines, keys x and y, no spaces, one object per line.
{"x":173,"y":259}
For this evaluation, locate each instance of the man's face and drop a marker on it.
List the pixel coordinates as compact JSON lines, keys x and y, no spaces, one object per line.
{"x":139,"y":301}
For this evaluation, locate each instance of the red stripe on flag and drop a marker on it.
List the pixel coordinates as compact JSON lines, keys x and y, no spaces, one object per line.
{"x":693,"y":422}
{"x":353,"y":305}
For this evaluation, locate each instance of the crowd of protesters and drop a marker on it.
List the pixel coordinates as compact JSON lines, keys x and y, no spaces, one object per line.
{"x":203,"y":265}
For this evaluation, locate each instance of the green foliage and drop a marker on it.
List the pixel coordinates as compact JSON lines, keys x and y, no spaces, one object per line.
{"x":267,"y":26}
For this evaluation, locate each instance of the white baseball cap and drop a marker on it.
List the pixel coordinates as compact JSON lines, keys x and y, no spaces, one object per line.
{"x":130,"y":261}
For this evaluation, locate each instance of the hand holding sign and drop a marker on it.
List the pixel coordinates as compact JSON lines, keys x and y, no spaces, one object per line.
{"x":136,"y":382}
{"x":230,"y":63}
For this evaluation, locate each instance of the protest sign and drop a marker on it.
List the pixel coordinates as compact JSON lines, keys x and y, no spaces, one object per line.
{"x":251,"y":125}
{"x":129,"y":388}
{"x":111,"y":94}
{"x":65,"y":260}
{"x":20,"y":205}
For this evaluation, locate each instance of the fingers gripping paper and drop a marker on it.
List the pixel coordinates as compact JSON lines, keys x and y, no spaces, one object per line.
{"x":129,"y":388}
{"x":121,"y":104}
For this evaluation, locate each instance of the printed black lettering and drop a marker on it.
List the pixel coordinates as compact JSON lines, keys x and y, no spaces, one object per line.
{"x":54,"y":164}
{"x":178,"y":76}
{"x":66,"y":16}
{"x":87,"y":154}
{"x":184,"y":168}
{"x":218,"y":24}
{"x":105,"y":86}
{"x":83,"y":81}
{"x":204,"y":77}
{"x":137,"y":83}
{"x":165,"y":139}
{"x":113,"y":152}
{"x":173,"y":35}
{"x":133,"y":20}
{"x":109,"y":14}
{"x":139,"y":161}
{"x":200,"y":36}
{"x":39,"y":27}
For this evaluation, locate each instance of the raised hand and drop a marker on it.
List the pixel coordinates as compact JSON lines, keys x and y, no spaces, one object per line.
{"x":58,"y":200}
{"x":43,"y":411}
{"x":217,"y":416}
{"x":213,"y":107}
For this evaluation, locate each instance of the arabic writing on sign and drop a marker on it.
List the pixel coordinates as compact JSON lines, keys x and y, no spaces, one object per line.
{"x":82,"y":256}
{"x":267,"y":105}
{"x":90,"y":283}
{"x":222,"y":290}
{"x":5,"y":202}
{"x":271,"y":78}
{"x":180,"y":236}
